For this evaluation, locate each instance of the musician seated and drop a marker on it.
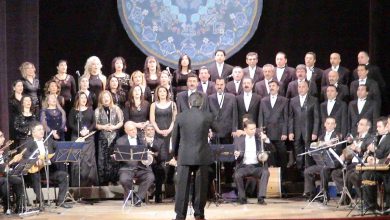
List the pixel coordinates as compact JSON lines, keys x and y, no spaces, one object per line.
{"x":352,"y":155}
{"x":160,"y":155}
{"x":36,"y":147}
{"x":134,"y":169}
{"x":15,"y":182}
{"x":247,"y":163}
{"x":310,"y":173}
{"x":377,"y":155}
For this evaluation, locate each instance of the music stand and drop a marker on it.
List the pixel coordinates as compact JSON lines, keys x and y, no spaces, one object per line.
{"x":22,"y":169}
{"x":69,"y":152}
{"x":221,"y":153}
{"x":130,"y":153}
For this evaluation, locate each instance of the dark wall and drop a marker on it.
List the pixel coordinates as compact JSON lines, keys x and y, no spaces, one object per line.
{"x":75,"y":30}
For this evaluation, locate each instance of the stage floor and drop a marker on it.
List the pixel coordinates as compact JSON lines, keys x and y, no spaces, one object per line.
{"x":276,"y":209}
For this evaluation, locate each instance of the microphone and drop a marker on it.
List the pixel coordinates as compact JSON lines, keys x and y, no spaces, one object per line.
{"x":78,"y":73}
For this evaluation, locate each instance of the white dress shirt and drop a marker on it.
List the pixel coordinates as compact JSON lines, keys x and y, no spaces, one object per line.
{"x":237,"y":85}
{"x":328,"y":134}
{"x":362,"y":81}
{"x":220,"y":97}
{"x":273,"y":100}
{"x":360,"y":104}
{"x":204,"y":86}
{"x":279,"y":73}
{"x":309,"y":73}
{"x":132,"y":140}
{"x":330,"y":105}
{"x":247,"y":99}
{"x":220,"y":68}
{"x":250,"y":154}
{"x":302,"y":99}
{"x":335,"y":68}
{"x":266,"y":81}
{"x":252,"y":72}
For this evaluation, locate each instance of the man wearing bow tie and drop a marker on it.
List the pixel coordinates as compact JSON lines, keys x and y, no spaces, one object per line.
{"x":344,"y":73}
{"x":342,"y":90}
{"x":205,"y":86}
{"x":361,"y":108}
{"x":313,"y":73}
{"x":235,"y":87}
{"x":375,"y":94}
{"x":253,"y":71}
{"x":273,"y":115}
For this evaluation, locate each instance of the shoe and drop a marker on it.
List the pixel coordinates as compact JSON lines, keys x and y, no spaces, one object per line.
{"x":137,"y":202}
{"x":158,"y":200}
{"x":66,"y":206}
{"x":261,"y":201}
{"x":199,"y":218}
{"x":242,"y":201}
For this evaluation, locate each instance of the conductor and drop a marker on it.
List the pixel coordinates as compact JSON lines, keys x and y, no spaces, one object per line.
{"x":193,"y":155}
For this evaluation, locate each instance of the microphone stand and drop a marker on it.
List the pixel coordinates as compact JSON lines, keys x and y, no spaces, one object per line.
{"x":46,"y":164}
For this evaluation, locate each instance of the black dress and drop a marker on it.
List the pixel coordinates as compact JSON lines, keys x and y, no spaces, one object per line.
{"x":137,"y":115}
{"x":54,"y":119}
{"x":95,"y":85}
{"x":119,"y":98}
{"x":14,"y":110}
{"x":68,"y":90}
{"x":163,"y":117}
{"x":33,"y":90}
{"x":124,"y":82}
{"x":88,"y":168}
{"x":152,"y":83}
{"x":22,"y":127}
{"x":179,"y":81}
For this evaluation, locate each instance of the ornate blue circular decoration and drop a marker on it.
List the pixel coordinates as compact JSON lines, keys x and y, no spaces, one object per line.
{"x":168,"y":28}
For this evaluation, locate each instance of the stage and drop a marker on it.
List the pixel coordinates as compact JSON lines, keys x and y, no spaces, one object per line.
{"x":275,"y":209}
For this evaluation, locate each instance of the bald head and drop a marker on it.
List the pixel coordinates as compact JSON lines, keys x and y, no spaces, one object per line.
{"x":335,"y":59}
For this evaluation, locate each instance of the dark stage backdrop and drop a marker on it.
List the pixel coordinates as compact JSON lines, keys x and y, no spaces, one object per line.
{"x":74,"y":30}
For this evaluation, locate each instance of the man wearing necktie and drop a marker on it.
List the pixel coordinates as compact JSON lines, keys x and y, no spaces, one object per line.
{"x":248,"y":102}
{"x":131,"y":170}
{"x":273,"y":115}
{"x":205,"y":86}
{"x":303,"y":123}
{"x":381,"y":152}
{"x":235,"y":87}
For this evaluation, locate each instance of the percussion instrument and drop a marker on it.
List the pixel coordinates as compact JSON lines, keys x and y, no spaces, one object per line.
{"x":274,"y":187}
{"x":378,"y":167}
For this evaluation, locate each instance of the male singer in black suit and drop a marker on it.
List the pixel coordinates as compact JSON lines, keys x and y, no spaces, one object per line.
{"x":373,"y":71}
{"x":342,"y":90}
{"x":223,"y":107}
{"x":273,"y":115}
{"x":335,"y":108}
{"x":235,"y":86}
{"x":220,"y":69}
{"x":292,"y":89}
{"x":134,"y":169}
{"x":246,"y":149}
{"x":343,"y":72}
{"x":262,"y":87}
{"x":253,"y":71}
{"x":361,"y":108}
{"x":324,"y":171}
{"x":248,"y":102}
{"x":205,"y":86}
{"x":374,"y":94}
{"x":182,"y":97}
{"x":313,"y":73}
{"x":382,"y":153}
{"x":284,"y":74}
{"x":304,"y":121}
{"x":193,"y":153}
{"x":37,"y":148}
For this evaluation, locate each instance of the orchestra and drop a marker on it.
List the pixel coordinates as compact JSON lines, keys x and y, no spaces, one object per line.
{"x":288,"y":112}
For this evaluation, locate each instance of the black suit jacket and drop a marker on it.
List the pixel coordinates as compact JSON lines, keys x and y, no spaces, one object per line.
{"x":373,"y":94}
{"x":190,"y":137}
{"x":210,"y":88}
{"x":182,"y":102}
{"x":374,"y":73}
{"x":317,"y":77}
{"x":213,"y":70}
{"x":258,"y":74}
{"x":31,"y":146}
{"x":339,"y":147}
{"x":231,"y":88}
{"x":261,"y":89}
{"x":369,"y":111}
{"x":253,"y":109}
{"x":342,"y":93}
{"x":304,"y":120}
{"x":274,"y":119}
{"x":287,"y":77}
{"x":130,"y":165}
{"x":383,"y":149}
{"x":339,"y":112}
{"x":225,"y":118}
{"x":292,"y":89}
{"x":239,"y":145}
{"x":344,"y":76}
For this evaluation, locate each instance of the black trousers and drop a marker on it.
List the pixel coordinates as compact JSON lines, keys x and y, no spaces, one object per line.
{"x":58,"y":177}
{"x":160,"y":171}
{"x":15,"y":186}
{"x":145,"y":179}
{"x":300,"y":145}
{"x":255,"y":171}
{"x":370,"y":192}
{"x":183,"y":189}
{"x":279,"y":157}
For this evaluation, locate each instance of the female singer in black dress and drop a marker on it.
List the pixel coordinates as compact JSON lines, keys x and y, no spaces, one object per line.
{"x":138,"y":79}
{"x":31,"y":85}
{"x":54,"y":88}
{"x":67,"y":83}
{"x":84,"y":87}
{"x":24,"y":119}
{"x":93,"y":72}
{"x":118,"y":95}
{"x":109,"y":120}
{"x":165,"y":81}
{"x":53,"y":117}
{"x":137,"y":109}
{"x":180,"y":75}
{"x":82,"y":122}
{"x":14,"y":104}
{"x":152,"y":70}
{"x":118,"y":67}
